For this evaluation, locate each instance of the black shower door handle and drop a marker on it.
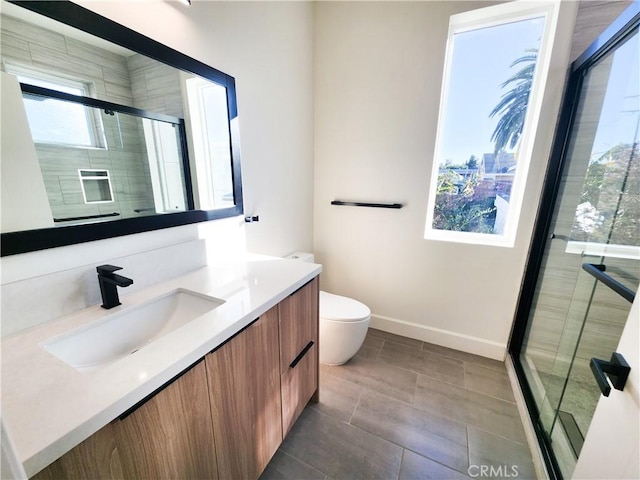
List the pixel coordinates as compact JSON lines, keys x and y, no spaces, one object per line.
{"x":617,"y":370}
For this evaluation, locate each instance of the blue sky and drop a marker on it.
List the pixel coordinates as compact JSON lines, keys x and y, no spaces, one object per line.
{"x":481,"y":63}
{"x":619,"y":115}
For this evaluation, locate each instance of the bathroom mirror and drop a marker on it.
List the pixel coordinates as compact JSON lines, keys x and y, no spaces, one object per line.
{"x":114,"y":133}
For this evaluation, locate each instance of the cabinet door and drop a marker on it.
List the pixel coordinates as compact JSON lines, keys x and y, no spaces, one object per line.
{"x":97,"y":457}
{"x":298,"y":322}
{"x":299,"y":385}
{"x":244,"y":382}
{"x":170,"y":435}
{"x":298,"y":352}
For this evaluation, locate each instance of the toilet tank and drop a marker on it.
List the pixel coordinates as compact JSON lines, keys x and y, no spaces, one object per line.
{"x":302,"y":256}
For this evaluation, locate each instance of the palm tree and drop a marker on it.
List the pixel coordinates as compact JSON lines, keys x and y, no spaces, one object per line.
{"x":512,"y":107}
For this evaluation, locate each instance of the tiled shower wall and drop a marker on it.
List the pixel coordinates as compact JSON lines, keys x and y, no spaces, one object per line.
{"x":155,"y":86}
{"x":28,"y":45}
{"x":125,"y":156}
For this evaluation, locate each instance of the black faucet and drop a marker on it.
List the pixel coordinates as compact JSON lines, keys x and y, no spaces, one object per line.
{"x":109,"y":283}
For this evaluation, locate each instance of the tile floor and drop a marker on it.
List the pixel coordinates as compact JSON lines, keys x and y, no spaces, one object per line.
{"x":405,"y":409}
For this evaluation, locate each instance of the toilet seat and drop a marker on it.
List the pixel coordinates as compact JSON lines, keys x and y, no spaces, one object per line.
{"x":343,"y":309}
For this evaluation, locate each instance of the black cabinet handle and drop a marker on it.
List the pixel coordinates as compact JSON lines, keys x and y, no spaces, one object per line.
{"x":617,"y":369}
{"x":301,"y":354}
{"x":135,"y":407}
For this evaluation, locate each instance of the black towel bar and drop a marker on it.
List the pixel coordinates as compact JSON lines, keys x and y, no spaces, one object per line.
{"x":86,"y":217}
{"x":366,"y":204}
{"x":597,"y":271}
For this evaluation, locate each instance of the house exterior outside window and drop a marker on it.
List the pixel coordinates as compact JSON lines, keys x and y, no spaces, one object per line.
{"x":496,"y":68}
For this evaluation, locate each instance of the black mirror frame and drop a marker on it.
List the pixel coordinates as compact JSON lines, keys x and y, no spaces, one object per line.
{"x":69,"y":13}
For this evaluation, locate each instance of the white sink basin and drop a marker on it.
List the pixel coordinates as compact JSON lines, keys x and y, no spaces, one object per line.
{"x":122,"y":333}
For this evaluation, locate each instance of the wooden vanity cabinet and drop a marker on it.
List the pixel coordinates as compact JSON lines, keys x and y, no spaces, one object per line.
{"x":167,"y":436}
{"x":97,"y":457}
{"x":298,"y":351}
{"x":224,"y":417}
{"x":261,"y":380}
{"x":244,"y":389}
{"x":170,"y":435}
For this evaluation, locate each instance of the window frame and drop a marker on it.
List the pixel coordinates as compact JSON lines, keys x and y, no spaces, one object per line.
{"x":203,"y":150}
{"x":475,"y":20}
{"x":33,"y":76}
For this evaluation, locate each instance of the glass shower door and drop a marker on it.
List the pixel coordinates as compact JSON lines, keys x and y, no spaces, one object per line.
{"x":596,"y":220}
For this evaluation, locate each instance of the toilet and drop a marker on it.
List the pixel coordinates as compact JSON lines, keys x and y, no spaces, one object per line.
{"x":343,"y":323}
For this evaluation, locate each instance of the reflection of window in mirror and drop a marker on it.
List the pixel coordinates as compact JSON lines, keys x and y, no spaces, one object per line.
{"x":56,"y":122}
{"x":209,"y":122}
{"x":162,"y":141}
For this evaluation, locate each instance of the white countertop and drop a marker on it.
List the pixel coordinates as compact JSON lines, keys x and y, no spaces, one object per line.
{"x":48,"y":407}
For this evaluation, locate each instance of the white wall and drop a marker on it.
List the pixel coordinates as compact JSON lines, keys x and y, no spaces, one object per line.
{"x":378,"y":70}
{"x":268,"y":49}
{"x":24,"y":199}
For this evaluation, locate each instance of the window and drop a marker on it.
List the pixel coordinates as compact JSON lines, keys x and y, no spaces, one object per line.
{"x":55,"y":121}
{"x":209,"y":121}
{"x":496,"y":65}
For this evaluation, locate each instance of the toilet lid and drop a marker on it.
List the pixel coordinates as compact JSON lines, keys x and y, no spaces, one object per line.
{"x":335,"y":307}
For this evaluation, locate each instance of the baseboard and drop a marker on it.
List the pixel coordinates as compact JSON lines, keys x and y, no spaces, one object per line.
{"x":445,"y":338}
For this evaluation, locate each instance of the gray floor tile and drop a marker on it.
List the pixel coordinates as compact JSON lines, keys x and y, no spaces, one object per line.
{"x":488,"y":381}
{"x":464,"y":356}
{"x":411,"y":342}
{"x":429,"y":435}
{"x":424,"y":362}
{"x":378,"y":376}
{"x":285,"y":467}
{"x":373,"y":340}
{"x":341,"y":451}
{"x":457,"y":403}
{"x":367,"y":351}
{"x":417,"y":467}
{"x":508,"y":459}
{"x":338,"y":398}
{"x":406,"y":409}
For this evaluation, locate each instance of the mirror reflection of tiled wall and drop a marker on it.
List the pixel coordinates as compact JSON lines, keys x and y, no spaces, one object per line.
{"x":131,"y":80}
